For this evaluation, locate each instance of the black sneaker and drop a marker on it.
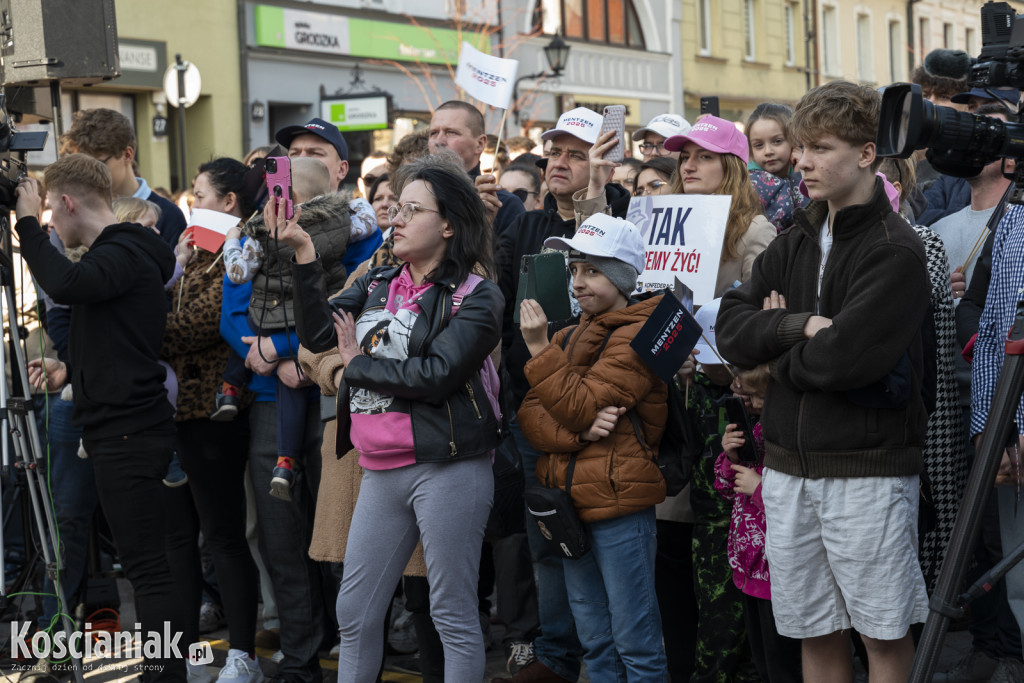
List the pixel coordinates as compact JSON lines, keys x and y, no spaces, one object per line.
{"x":225,"y":407}
{"x":281,"y":484}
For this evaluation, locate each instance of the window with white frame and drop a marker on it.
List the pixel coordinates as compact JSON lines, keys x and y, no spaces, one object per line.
{"x":704,"y":26}
{"x":924,"y":34}
{"x":865,"y":63}
{"x":749,"y":48}
{"x":895,"y":51}
{"x":790,"y":34}
{"x":613,"y":22}
{"x":830,"y":40}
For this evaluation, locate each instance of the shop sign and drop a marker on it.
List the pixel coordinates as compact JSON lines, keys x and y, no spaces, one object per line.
{"x":295,"y":29}
{"x":357,"y":113}
{"x":143,"y":63}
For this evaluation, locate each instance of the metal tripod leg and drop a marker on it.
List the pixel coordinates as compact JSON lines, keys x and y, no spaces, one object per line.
{"x":945,"y":604}
{"x":18,"y":420}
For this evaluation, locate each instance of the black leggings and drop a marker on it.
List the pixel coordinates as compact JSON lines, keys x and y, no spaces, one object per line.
{"x":214,"y":455}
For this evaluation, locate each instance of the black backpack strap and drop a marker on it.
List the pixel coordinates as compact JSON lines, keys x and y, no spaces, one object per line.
{"x":638,"y":429}
{"x":568,"y":475}
{"x":565,"y":340}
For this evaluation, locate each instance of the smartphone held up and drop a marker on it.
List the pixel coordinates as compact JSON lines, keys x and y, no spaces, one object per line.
{"x":615,"y":119}
{"x":279,"y":183}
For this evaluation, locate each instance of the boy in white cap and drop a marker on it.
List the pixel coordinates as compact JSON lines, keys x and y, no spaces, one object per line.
{"x":659,"y":129}
{"x":568,"y":173}
{"x":583,"y":384}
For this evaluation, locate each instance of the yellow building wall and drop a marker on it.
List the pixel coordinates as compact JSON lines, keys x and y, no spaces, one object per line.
{"x":742,"y":81}
{"x":204,"y":32}
{"x":952,"y":24}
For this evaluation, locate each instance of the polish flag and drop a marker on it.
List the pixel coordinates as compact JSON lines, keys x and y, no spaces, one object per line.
{"x":209,"y":228}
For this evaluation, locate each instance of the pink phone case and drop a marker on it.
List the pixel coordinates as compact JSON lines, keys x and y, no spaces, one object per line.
{"x":279,"y":182}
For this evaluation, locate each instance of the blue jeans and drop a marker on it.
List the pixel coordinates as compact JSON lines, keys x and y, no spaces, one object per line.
{"x":73,"y":488}
{"x":557,"y":647}
{"x":611,"y":592}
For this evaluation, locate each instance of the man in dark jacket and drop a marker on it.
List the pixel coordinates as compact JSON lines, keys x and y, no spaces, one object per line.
{"x":568,"y":173}
{"x":844,"y":420}
{"x":459,"y":127}
{"x":109,"y":136}
{"x":118,"y":317}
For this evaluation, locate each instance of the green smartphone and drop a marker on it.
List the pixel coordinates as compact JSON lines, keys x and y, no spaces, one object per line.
{"x":544,"y":278}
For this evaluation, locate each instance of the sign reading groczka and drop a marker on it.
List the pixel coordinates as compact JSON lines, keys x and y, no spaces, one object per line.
{"x":683,"y":237}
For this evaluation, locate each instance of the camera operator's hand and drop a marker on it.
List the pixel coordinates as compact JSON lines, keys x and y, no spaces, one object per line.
{"x":54,"y":377}
{"x":29,"y":201}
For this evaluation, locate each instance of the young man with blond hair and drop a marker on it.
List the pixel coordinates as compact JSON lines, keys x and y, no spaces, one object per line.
{"x":834,"y":307}
{"x":118,"y":317}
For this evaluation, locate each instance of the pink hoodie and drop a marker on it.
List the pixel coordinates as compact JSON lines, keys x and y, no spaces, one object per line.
{"x":746,"y":528}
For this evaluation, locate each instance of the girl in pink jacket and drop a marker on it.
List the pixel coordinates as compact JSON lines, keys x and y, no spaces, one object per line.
{"x":777,"y":658}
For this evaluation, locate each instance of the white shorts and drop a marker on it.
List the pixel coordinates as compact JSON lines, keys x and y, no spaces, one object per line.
{"x":842,"y":553}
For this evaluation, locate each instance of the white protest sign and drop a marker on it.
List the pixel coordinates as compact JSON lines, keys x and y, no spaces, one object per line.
{"x":683,"y":237}
{"x":486,"y":78}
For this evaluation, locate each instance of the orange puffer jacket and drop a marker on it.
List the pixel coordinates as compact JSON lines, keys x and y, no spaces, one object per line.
{"x":614,"y":476}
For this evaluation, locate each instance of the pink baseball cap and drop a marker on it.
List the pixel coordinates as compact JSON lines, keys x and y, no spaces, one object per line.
{"x":715,"y":135}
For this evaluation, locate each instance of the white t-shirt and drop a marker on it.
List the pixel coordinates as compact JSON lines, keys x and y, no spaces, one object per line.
{"x":825,"y":242}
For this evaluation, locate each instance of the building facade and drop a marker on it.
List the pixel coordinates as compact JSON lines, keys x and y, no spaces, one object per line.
{"x":149,"y":35}
{"x":621,"y":52}
{"x":745,"y":52}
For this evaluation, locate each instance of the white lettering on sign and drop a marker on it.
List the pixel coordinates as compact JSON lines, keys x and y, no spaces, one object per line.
{"x":138,"y":58}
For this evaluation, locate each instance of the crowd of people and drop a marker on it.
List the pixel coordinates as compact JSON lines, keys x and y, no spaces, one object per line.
{"x":350,"y":403}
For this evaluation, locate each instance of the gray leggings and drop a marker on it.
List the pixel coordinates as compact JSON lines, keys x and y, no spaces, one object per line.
{"x":446,"y":505}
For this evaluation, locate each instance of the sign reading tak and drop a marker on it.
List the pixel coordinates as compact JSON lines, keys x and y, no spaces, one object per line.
{"x":684,"y":235}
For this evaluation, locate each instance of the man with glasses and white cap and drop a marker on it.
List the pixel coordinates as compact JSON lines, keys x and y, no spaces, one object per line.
{"x":659,"y":129}
{"x":568,"y":175}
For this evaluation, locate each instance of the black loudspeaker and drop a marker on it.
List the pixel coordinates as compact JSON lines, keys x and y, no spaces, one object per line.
{"x":72,"y":41}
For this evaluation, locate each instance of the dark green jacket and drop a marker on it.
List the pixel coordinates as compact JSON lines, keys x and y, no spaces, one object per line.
{"x":327,"y":220}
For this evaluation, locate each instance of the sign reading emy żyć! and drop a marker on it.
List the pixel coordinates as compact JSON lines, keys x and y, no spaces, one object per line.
{"x":683,"y":237}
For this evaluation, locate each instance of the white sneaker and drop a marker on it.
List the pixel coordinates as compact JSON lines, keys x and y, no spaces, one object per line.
{"x":240,"y":668}
{"x":198,"y":673}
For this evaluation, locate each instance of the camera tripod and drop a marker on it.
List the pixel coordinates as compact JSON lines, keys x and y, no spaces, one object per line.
{"x":17,"y":419}
{"x":947,"y":601}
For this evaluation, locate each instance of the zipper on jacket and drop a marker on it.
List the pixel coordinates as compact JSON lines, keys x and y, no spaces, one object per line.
{"x":799,"y":435}
{"x":451,"y":428}
{"x":472,"y":399}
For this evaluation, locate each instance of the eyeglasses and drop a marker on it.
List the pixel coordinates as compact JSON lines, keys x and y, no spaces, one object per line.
{"x":523,"y":193}
{"x":650,"y":188}
{"x":406,"y":211}
{"x":649,"y":147}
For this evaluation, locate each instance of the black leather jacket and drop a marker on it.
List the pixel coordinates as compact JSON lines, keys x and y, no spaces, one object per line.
{"x":451,"y":416}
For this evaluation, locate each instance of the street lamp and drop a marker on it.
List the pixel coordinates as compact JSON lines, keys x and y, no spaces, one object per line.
{"x":557,"y":54}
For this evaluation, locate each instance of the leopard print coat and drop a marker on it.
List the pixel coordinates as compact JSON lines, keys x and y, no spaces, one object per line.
{"x":192,"y":344}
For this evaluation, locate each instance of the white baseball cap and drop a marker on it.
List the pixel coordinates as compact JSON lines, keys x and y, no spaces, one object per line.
{"x":665,"y":125}
{"x":580,"y":122}
{"x":706,"y":316}
{"x":603,"y":235}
